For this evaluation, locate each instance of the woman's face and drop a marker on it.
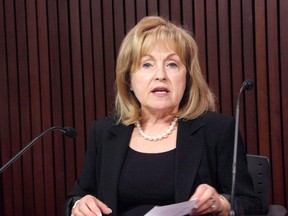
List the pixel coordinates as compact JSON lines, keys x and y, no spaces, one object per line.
{"x":159,"y":82}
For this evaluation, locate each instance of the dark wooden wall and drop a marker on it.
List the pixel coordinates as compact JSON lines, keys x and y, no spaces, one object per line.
{"x":57,"y":60}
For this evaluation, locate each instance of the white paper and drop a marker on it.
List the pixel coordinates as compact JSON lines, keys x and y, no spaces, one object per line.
{"x":178,"y":209}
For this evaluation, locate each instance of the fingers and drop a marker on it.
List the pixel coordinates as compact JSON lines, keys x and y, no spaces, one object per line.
{"x":103,"y":207}
{"x":90,"y":206}
{"x":208,"y":200}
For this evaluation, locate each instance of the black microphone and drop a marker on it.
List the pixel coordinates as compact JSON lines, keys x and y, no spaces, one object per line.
{"x":67,"y":131}
{"x":247,"y":85}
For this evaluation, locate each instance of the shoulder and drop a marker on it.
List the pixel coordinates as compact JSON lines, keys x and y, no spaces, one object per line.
{"x":107,"y":124}
{"x":212,"y":121}
{"x":214,"y":117}
{"x":218,"y":123}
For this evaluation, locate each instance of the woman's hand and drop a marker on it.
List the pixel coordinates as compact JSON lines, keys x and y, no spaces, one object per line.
{"x":209,"y":201}
{"x":89,"y":206}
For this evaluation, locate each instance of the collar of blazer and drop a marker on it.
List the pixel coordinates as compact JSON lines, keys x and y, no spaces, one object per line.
{"x":190,"y":142}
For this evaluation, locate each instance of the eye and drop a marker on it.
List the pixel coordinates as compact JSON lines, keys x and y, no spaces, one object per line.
{"x":147,"y":65}
{"x":172,"y":65}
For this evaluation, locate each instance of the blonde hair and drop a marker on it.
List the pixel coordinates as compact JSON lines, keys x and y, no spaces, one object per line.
{"x":197,"y":98}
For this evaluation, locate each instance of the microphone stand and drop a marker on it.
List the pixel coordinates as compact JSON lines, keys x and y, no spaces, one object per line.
{"x":247,"y":85}
{"x":70,"y":132}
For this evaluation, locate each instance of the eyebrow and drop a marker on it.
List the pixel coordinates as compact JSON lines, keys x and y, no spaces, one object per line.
{"x":168,"y":56}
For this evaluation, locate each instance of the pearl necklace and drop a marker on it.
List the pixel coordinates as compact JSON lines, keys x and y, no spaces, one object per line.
{"x":156,"y":138}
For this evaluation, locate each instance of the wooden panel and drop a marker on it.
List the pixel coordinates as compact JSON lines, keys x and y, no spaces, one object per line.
{"x":44,"y":76}
{"x":38,"y":177}
{"x":119,"y":23}
{"x":5,"y":124}
{"x":275,"y":100}
{"x":13,"y":175}
{"x":98,"y":49}
{"x":236,"y":56}
{"x":4,"y":137}
{"x":226,"y":105}
{"x":140,"y":9}
{"x":200,"y":33}
{"x":130,"y":14}
{"x":175,"y":8}
{"x":24,"y":106}
{"x":109,"y":55}
{"x":57,"y":62}
{"x":283,"y":75}
{"x":77,"y":81}
{"x":164,"y":9}
{"x":261,"y":74}
{"x":67,"y":90}
{"x":212,"y":46}
{"x":152,"y":7}
{"x":188,"y":14}
{"x":249,"y":119}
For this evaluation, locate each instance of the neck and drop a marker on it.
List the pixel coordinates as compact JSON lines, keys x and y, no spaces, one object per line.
{"x":157,"y":115}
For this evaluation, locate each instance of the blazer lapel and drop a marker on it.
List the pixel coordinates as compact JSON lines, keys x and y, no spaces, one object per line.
{"x":189,"y":150}
{"x":190,"y":145}
{"x":114,"y":153}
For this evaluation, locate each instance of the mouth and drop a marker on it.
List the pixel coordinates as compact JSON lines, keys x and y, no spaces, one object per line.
{"x":160,"y":90}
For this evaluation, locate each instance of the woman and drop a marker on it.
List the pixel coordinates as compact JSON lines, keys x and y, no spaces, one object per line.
{"x":166,"y":144}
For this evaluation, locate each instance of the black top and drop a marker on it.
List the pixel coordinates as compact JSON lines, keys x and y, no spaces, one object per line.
{"x":146,"y":179}
{"x":204,"y":155}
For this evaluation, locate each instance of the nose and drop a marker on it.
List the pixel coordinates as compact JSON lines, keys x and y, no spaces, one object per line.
{"x":161,"y":73}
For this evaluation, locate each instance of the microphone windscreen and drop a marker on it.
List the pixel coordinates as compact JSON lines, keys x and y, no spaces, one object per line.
{"x":248,"y":84}
{"x":70,"y":132}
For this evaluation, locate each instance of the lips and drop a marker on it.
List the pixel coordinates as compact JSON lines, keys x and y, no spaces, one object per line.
{"x":160,"y":90}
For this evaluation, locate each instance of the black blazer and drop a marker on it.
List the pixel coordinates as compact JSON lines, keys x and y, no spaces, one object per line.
{"x":204,"y":154}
